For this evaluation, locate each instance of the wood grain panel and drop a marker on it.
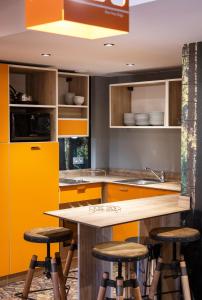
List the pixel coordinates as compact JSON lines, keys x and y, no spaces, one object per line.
{"x":91,"y":269}
{"x":175,"y":101}
{"x":120,"y":104}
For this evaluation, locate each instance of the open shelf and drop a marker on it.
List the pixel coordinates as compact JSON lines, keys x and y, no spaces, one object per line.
{"x":73,"y":119}
{"x":32,"y":105}
{"x":39,"y":83}
{"x":146,"y":97}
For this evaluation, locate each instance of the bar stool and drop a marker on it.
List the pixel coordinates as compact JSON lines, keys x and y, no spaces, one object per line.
{"x":170,"y":236}
{"x":150,"y":262}
{"x":119,"y":252}
{"x":52,"y":266}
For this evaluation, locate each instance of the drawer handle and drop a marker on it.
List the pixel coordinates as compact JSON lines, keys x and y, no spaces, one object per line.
{"x":81,"y":189}
{"x":35,"y":148}
{"x":123,"y":189}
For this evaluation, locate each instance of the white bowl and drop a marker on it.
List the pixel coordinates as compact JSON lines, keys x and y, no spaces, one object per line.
{"x":141,"y":116}
{"x":69,"y":97}
{"x":129,"y":123}
{"x":79,"y":100}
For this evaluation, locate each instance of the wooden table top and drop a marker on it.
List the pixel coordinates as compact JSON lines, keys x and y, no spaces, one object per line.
{"x":114,"y":213}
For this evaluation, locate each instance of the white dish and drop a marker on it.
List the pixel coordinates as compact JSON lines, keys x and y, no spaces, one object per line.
{"x":79,"y":100}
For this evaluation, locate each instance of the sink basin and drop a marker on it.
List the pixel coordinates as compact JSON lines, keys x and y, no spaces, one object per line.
{"x":72,"y":181}
{"x":138,"y":181}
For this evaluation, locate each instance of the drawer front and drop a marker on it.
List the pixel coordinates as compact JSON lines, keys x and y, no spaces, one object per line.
{"x":119,"y":192}
{"x":72,"y":127}
{"x":80,"y":193}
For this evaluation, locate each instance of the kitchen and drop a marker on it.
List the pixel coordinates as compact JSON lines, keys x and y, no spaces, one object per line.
{"x":119,"y":151}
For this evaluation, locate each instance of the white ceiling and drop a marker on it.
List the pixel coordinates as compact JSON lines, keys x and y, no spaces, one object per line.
{"x":158,"y":31}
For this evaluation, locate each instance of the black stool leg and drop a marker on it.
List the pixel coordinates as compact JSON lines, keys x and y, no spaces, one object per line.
{"x":29,"y":277}
{"x":103,"y":286}
{"x":55,"y":279}
{"x":154,"y":284}
{"x":119,"y":283}
{"x":184,"y":279}
{"x":61,"y":277}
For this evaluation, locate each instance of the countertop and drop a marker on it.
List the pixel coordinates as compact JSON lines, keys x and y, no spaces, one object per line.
{"x":108,"y":214}
{"x":169,"y":185}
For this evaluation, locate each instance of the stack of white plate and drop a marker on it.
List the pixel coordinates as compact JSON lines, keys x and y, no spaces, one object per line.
{"x":156,"y":118}
{"x":129,"y":119}
{"x":142,"y":119}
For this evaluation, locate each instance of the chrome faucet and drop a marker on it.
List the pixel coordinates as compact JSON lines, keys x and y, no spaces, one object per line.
{"x":160,"y":177}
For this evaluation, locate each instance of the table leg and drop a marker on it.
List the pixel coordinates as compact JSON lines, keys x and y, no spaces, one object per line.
{"x":90,"y":270}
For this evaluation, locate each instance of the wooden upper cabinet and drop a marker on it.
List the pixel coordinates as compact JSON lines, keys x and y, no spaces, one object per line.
{"x":146,"y":97}
{"x":73,"y":119}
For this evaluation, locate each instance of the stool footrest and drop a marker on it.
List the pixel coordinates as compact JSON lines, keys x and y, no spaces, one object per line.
{"x":19,"y":295}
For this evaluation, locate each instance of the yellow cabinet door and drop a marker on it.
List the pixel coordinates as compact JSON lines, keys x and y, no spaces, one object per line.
{"x":72,"y":127}
{"x":34,"y":172}
{"x":4,"y":103}
{"x":80,"y":192}
{"x":4,"y":211}
{"x":119,"y":192}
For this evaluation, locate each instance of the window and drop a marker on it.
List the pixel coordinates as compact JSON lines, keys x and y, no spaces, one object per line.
{"x":74,"y":153}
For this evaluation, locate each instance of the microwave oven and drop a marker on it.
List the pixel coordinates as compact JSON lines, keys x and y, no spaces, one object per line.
{"x":29,"y":126}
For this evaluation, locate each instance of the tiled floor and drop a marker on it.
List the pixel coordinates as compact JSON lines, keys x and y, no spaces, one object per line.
{"x":40,"y":282}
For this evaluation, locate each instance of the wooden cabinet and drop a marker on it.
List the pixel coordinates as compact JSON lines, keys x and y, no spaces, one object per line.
{"x":33,"y":185}
{"x":73,"y":120}
{"x":80,"y":192}
{"x":119,"y":192}
{"x":146,"y":97}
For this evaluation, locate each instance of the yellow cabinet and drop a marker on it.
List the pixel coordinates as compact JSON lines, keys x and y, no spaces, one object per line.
{"x":80,"y":192}
{"x":72,"y":128}
{"x":4,"y":211}
{"x":33,"y":190}
{"x":119,"y":192}
{"x":4,"y":107}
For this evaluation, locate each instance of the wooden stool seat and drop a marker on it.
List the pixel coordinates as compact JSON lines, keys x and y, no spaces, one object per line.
{"x":48,"y":235}
{"x":120,"y":251}
{"x":175,"y":234}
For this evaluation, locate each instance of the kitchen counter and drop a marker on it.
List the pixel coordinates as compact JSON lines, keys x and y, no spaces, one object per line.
{"x":111,"y":214}
{"x":95,"y":226}
{"x":169,"y":185}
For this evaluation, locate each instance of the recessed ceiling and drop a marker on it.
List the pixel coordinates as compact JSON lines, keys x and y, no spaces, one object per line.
{"x":158,"y":30}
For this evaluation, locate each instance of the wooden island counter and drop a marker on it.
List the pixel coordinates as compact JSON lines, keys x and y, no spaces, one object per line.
{"x":95,"y":224}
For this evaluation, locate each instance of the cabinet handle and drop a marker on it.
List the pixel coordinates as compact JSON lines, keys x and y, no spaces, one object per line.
{"x":35,"y":148}
{"x":81,"y":189}
{"x":123,"y":189}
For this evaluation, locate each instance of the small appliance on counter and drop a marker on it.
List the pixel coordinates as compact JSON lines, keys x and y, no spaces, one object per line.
{"x":26,"y":125}
{"x":20,"y":98}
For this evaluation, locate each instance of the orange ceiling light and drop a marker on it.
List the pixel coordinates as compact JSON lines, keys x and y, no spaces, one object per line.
{"x":89,"y":19}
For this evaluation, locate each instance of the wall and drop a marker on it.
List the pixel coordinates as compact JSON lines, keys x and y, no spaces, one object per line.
{"x":129,"y":148}
{"x":99,"y":121}
{"x":137,"y":149}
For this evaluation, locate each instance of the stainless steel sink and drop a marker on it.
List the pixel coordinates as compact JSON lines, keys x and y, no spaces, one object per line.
{"x":138,"y":181}
{"x":72,"y":181}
